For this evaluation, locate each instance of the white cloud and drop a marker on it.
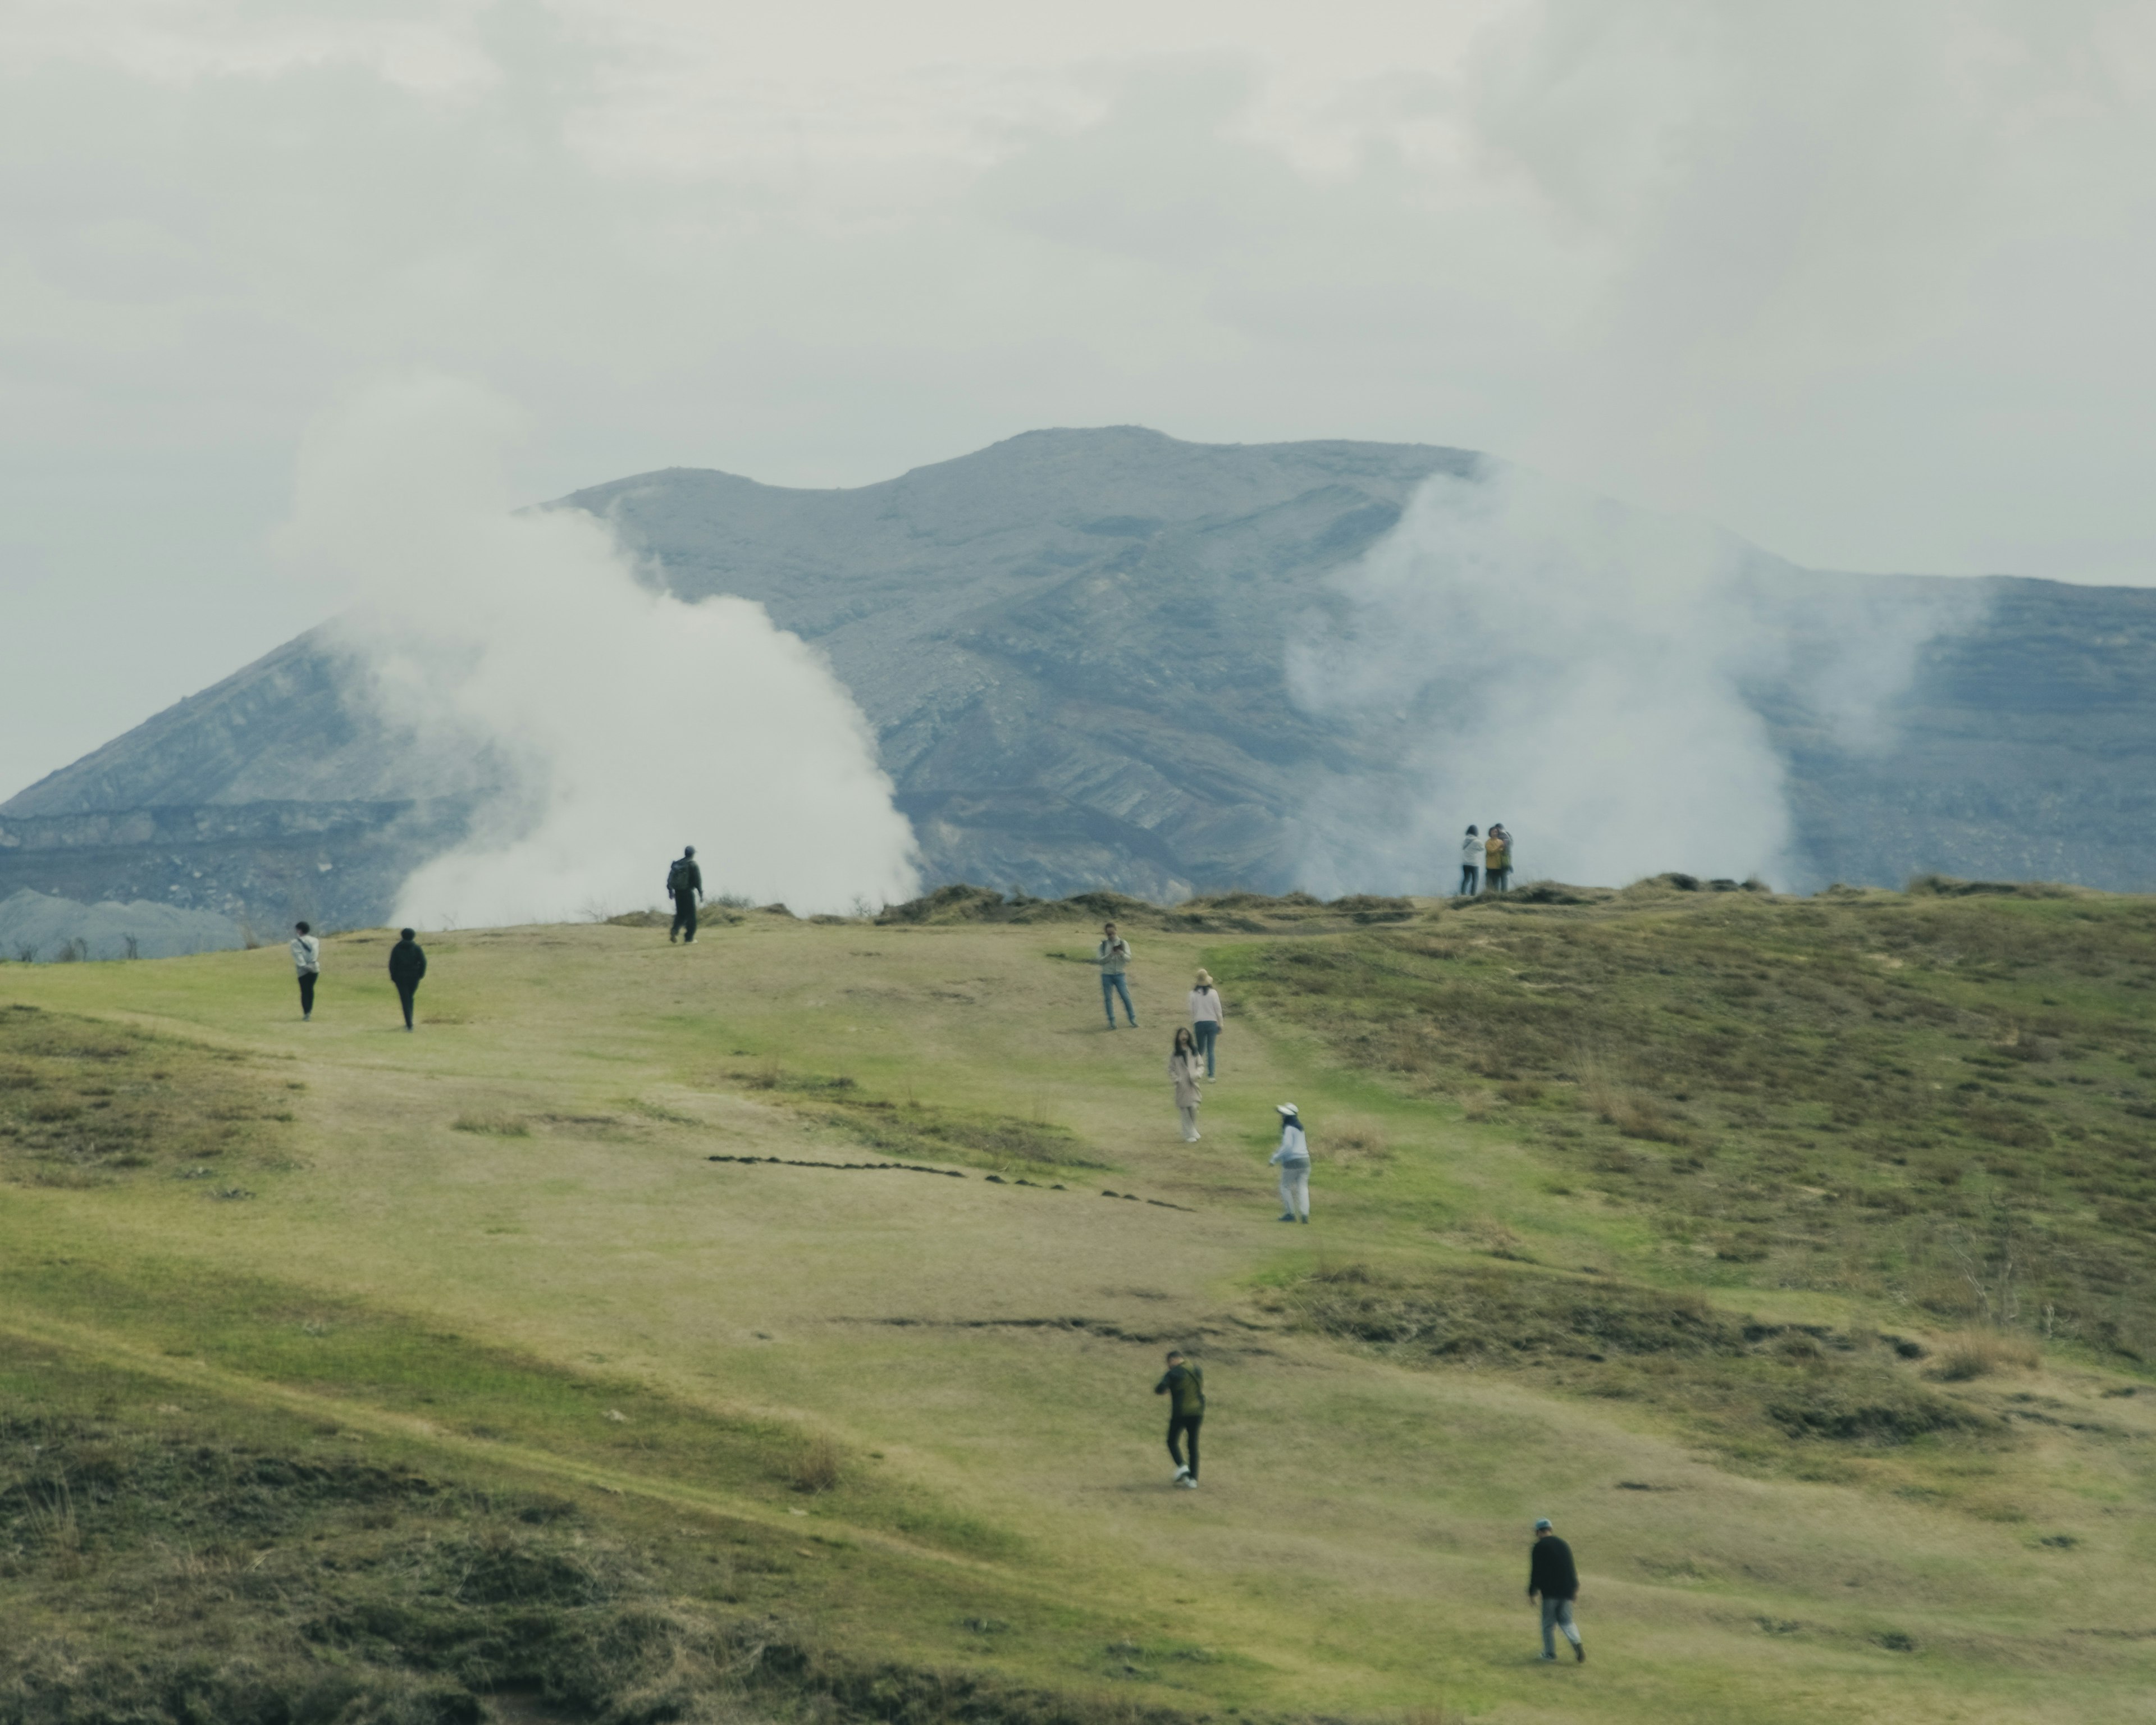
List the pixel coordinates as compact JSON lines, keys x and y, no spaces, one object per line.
{"x":1867,"y":285}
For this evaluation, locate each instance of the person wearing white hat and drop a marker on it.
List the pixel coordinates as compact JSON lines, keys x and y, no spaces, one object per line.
{"x":1293,"y":1156}
{"x":1206,"y":1016}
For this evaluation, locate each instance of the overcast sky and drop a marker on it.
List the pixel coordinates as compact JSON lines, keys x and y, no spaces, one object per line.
{"x":1868,"y":284}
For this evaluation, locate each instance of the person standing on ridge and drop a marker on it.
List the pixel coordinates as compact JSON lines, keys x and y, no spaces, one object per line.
{"x":1183,"y":1073}
{"x":1185,"y":1385}
{"x":685,"y":885}
{"x":1207,"y":1016}
{"x":307,"y":960}
{"x":407,"y":963}
{"x":1497,"y":859}
{"x":1551,"y":1573}
{"x":1471,"y":863}
{"x":1113,"y":956}
{"x":1293,"y":1156}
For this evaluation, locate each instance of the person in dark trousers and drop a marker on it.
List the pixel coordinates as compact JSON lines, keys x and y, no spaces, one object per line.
{"x":1113,"y":956}
{"x":307,"y":961}
{"x":1497,"y":859}
{"x":407,"y":963}
{"x":1471,"y":862}
{"x":1551,"y":1574}
{"x":1185,"y":1385}
{"x":684,"y":882}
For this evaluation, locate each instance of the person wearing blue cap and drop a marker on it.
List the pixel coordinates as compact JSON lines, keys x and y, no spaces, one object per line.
{"x":1551,"y":1573}
{"x":1293,"y":1156}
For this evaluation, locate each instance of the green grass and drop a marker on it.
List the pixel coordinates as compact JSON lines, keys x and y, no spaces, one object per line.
{"x":1610,"y":1227}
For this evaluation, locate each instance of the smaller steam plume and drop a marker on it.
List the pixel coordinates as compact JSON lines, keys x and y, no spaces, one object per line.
{"x":1589,"y":674}
{"x":611,"y":722}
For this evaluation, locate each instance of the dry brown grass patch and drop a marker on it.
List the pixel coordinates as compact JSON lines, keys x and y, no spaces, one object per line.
{"x":816,"y":1463}
{"x":1979,"y":1353}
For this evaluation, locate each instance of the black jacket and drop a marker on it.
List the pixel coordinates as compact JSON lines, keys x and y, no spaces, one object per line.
{"x":407,"y":963}
{"x":684,"y":876}
{"x":1550,"y":1571}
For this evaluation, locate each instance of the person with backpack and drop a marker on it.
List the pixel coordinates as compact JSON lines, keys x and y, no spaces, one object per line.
{"x":1293,"y":1156}
{"x":307,"y":961}
{"x":684,"y":885}
{"x":1471,"y":863}
{"x":1113,"y":956}
{"x":407,"y":963}
{"x":1183,"y":1073}
{"x":1551,"y":1573}
{"x":1185,"y":1385}
{"x":1207,"y":1016}
{"x":1497,"y":859}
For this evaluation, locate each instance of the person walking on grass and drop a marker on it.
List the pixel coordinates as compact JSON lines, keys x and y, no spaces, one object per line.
{"x":1113,"y":956}
{"x":1183,"y":1073}
{"x":1497,"y":859}
{"x":1207,"y":1016}
{"x":1471,"y":863}
{"x":684,"y":885}
{"x":1293,"y":1156}
{"x":407,"y":963}
{"x":1551,"y":1573}
{"x":307,"y":960}
{"x":1185,"y":1385}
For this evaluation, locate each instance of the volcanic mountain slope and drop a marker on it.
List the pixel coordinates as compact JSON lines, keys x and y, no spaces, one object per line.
{"x":1070,"y":646}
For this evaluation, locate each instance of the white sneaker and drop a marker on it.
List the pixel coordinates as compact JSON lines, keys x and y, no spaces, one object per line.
{"x":1181,"y":1475}
{"x":1187,"y":1483}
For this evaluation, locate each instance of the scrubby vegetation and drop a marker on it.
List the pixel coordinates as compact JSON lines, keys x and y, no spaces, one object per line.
{"x":84,"y":1102}
{"x":1944,"y":1099}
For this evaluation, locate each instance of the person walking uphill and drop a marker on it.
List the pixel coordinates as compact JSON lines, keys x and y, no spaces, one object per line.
{"x":407,"y":963}
{"x":1184,"y":1384}
{"x":1207,"y":1016}
{"x":1293,"y":1156}
{"x":1551,"y":1573}
{"x":1113,"y":956}
{"x":685,"y":883}
{"x":1183,"y":1073}
{"x":307,"y":960}
{"x":1471,"y":863}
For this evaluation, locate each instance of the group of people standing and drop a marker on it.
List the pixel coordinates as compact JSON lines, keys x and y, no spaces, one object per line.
{"x":1486,"y":860}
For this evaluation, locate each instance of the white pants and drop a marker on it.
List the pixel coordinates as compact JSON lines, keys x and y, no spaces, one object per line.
{"x":1295,"y":1189}
{"x":1189,"y":1123}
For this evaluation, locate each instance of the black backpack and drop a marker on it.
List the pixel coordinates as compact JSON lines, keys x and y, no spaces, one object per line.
{"x":677,"y":877}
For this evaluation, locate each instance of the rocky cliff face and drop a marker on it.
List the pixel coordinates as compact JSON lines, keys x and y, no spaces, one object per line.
{"x":1069,"y":645}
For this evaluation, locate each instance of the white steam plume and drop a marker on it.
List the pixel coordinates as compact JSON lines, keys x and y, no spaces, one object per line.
{"x":621,"y":723}
{"x":1515,"y":651}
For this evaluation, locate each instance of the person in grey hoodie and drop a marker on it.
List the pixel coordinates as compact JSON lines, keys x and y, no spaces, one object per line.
{"x":307,"y":961}
{"x":1293,"y":1157}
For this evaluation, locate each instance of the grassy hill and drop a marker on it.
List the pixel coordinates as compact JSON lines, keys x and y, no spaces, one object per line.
{"x":765,"y":1329}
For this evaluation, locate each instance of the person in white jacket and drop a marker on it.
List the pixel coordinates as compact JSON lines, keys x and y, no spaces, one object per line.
{"x":1293,"y":1156}
{"x":1207,"y":1016}
{"x":307,"y":961}
{"x":1183,"y":1073}
{"x":1471,"y":863}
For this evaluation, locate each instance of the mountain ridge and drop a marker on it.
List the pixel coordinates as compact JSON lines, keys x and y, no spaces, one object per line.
{"x":1069,"y":646}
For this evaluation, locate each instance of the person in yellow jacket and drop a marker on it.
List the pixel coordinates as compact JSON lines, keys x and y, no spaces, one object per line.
{"x":1497,"y":859}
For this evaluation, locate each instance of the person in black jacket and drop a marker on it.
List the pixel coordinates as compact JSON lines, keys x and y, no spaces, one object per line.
{"x":407,"y":963}
{"x":684,"y":882}
{"x":1551,"y":1574}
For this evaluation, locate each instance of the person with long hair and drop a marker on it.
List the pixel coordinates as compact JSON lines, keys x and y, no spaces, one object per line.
{"x":1183,"y":1068}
